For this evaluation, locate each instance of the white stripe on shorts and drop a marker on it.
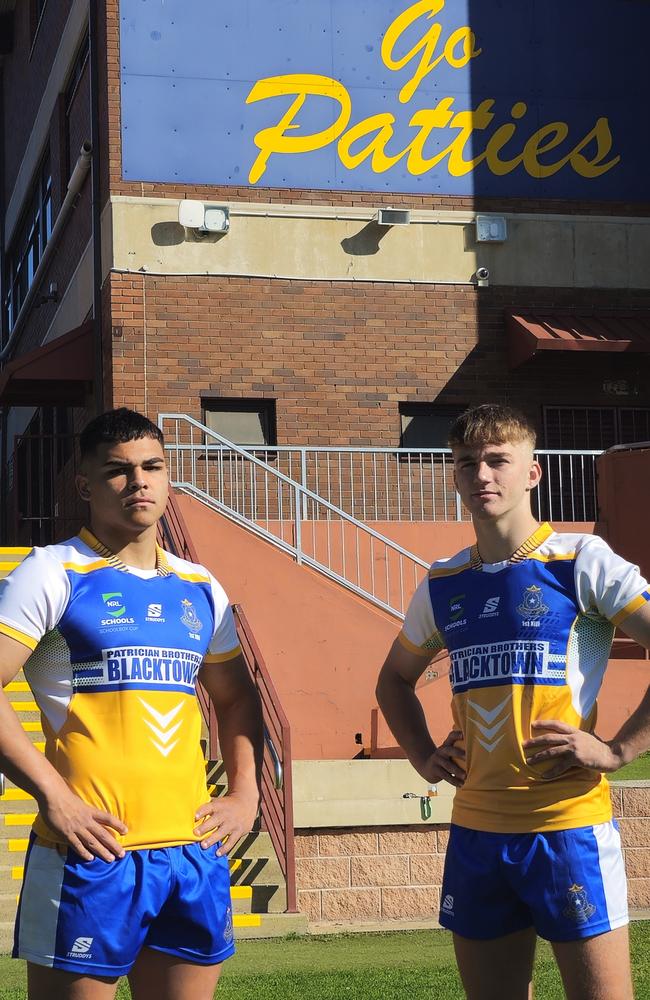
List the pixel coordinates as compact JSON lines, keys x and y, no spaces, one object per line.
{"x":612,"y":870}
{"x":39,"y":908}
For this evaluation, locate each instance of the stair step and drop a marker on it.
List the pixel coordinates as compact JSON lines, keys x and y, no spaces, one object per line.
{"x":16,"y":845}
{"x":6,"y":937}
{"x":254,"y":846}
{"x":271,"y":925}
{"x":254,"y":871}
{"x":32,"y":727}
{"x":17,"y":795}
{"x":24,"y":706}
{"x":14,"y":686}
{"x":19,"y":819}
{"x":8,"y":904}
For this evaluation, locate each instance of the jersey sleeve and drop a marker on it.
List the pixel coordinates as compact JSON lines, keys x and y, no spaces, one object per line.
{"x":33,"y":598}
{"x":419,"y":633}
{"x":606,"y":584}
{"x":224,"y":644}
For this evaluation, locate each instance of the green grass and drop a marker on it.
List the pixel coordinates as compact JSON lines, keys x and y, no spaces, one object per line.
{"x":638,"y":770}
{"x":392,"y":966}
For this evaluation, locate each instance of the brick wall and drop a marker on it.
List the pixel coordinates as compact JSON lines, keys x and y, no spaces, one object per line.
{"x":339,"y":356}
{"x":395,"y":873}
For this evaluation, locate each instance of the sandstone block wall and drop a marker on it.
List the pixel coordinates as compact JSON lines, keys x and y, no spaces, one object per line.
{"x":395,"y":873}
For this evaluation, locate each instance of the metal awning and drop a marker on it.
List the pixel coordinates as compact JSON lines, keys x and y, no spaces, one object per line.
{"x":58,"y":373}
{"x":529,"y":333}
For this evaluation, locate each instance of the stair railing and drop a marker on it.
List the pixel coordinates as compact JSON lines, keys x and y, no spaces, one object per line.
{"x":276,"y":805}
{"x":254,"y":494}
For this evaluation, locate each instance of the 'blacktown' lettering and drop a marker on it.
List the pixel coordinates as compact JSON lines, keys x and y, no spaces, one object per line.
{"x":518,"y":661}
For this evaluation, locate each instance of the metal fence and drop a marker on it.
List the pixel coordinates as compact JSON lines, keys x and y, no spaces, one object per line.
{"x":375,"y":484}
{"x":314,"y":530}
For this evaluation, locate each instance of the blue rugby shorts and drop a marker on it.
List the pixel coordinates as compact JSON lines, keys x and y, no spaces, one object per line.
{"x":567,"y":884}
{"x":93,"y":917}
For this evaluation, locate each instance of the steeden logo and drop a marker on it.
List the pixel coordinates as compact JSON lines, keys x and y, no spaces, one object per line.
{"x":491,"y":609}
{"x":81,"y":946}
{"x":448,"y":904}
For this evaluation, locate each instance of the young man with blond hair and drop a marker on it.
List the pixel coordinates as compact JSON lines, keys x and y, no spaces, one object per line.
{"x":126,"y":870}
{"x":528,"y":616}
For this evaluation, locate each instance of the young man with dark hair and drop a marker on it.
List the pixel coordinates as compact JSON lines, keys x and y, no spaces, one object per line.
{"x":126,"y":871}
{"x":528,"y":618}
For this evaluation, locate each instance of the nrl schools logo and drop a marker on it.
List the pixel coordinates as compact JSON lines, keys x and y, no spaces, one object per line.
{"x":116,"y":608}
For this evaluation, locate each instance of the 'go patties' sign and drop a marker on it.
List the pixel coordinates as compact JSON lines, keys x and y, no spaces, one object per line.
{"x":508,"y":97}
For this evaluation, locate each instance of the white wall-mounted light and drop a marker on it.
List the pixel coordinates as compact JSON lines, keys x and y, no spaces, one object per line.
{"x":491,"y":229}
{"x":202,"y":218}
{"x":393,"y":217}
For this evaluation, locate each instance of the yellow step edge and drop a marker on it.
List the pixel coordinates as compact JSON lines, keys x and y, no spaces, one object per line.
{"x":17,"y":795}
{"x":24,"y":706}
{"x":18,"y":845}
{"x":17,"y":686}
{"x":246,"y":920}
{"x":19,"y":819}
{"x":23,"y":550}
{"x":40,"y":746}
{"x":6,"y":567}
{"x":31,"y":727}
{"x":241,"y":891}
{"x":17,"y":872}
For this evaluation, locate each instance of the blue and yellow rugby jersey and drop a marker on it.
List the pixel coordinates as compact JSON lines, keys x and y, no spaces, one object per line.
{"x":116,"y":652}
{"x":528,"y":639}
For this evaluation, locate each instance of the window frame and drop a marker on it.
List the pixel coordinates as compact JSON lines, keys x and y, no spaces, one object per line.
{"x":426,"y":408}
{"x":28,"y":244}
{"x":244,"y":404}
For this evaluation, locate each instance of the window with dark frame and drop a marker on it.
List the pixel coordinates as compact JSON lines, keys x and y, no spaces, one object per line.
{"x":426,"y":425}
{"x":595,"y":427}
{"x":27,"y":247}
{"x":36,"y":8}
{"x":246,"y":422}
{"x":70,"y":92}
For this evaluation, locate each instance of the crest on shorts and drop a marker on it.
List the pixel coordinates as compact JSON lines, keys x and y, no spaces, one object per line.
{"x":579,"y":908}
{"x":228,"y":932}
{"x":532,"y":604}
{"x":190,"y":617}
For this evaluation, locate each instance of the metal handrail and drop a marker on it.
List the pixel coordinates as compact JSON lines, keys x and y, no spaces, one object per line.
{"x":392,"y":484}
{"x":276,"y":803}
{"x":277,"y":763}
{"x":277,"y":798}
{"x":273,"y":505}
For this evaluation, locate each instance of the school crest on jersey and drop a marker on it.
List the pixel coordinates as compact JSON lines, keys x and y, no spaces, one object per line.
{"x":579,"y":907}
{"x":228,"y":932}
{"x":532,"y":603}
{"x":190,"y":617}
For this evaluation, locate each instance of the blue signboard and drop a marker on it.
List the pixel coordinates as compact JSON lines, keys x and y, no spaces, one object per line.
{"x":458,"y":97}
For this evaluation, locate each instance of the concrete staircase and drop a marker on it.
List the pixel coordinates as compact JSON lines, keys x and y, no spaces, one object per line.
{"x":258,"y":889}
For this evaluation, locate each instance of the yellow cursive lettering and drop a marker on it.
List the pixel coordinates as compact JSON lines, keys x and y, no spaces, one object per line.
{"x":545,"y":138}
{"x":498,"y":140}
{"x":427,"y":45}
{"x":273,"y":140}
{"x":594,"y":168}
{"x":382,"y":124}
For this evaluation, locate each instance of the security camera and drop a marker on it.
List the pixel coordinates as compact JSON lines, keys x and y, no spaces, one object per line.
{"x":482,"y":277}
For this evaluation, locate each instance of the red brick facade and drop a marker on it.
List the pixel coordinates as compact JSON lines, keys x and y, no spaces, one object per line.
{"x":339,"y":356}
